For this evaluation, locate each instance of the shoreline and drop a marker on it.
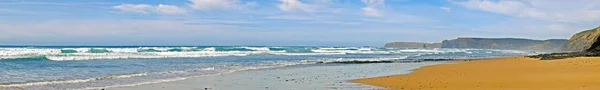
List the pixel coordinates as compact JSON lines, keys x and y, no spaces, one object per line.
{"x":345,"y":65}
{"x":521,"y":73}
{"x":301,"y":78}
{"x":358,"y":70}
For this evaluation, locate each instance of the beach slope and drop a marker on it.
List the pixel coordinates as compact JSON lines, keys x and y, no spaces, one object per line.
{"x":512,"y":73}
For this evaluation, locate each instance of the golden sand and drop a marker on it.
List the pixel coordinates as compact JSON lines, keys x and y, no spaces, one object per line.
{"x":511,"y":73}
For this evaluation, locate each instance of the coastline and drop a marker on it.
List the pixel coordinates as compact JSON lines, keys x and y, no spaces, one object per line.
{"x":515,"y":73}
{"x":107,"y":70}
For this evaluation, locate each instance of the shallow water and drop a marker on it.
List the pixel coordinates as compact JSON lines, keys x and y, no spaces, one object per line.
{"x":317,"y":77}
{"x":73,"y":67}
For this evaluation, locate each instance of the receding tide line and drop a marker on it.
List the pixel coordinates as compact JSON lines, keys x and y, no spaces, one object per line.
{"x":180,"y":78}
{"x":177,"y":79}
{"x":9,"y":85}
{"x":136,"y":84}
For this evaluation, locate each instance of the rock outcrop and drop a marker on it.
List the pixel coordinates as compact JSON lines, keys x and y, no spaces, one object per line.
{"x":582,"y":41}
{"x":505,"y":43}
{"x":583,"y":44}
{"x":412,"y":45}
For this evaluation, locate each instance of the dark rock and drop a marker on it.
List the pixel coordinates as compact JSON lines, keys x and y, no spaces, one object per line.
{"x":582,"y":41}
{"x":361,"y":62}
{"x":439,"y":59}
{"x":583,"y":44}
{"x":412,"y":45}
{"x":554,"y":56}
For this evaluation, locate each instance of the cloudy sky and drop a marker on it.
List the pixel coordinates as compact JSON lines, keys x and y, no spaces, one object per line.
{"x":286,"y":22}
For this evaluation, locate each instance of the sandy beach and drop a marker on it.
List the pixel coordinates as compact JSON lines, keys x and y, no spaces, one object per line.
{"x":514,"y":73}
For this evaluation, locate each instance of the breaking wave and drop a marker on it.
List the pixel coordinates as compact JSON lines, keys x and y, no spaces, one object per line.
{"x":189,"y":62}
{"x":70,"y":81}
{"x":62,"y":54}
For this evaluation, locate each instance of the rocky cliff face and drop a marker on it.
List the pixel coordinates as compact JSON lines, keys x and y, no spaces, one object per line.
{"x":412,"y":45}
{"x":582,"y":41}
{"x":504,"y":43}
{"x":583,"y":44}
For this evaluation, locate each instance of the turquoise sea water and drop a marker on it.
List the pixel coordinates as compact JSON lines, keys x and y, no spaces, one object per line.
{"x":75,"y":67}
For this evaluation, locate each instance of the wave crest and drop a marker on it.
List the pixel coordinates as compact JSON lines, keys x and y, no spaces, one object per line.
{"x":62,"y":54}
{"x":70,"y":81}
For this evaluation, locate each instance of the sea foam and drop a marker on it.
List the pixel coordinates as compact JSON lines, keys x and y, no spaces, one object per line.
{"x":65,"y":54}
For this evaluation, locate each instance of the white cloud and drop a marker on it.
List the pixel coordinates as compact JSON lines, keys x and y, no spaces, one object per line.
{"x":195,"y":4}
{"x":308,"y":6}
{"x":310,"y":11}
{"x":550,"y":10}
{"x":170,"y":9}
{"x":24,"y":2}
{"x":136,"y":8}
{"x":219,"y":4}
{"x":376,"y":11}
{"x":447,"y":9}
{"x":502,"y":7}
{"x":145,"y":9}
{"x":370,"y":11}
{"x":295,"y":5}
{"x":373,"y":7}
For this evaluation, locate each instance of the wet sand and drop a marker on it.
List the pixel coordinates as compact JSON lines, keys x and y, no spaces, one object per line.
{"x":509,"y":73}
{"x":328,"y":77}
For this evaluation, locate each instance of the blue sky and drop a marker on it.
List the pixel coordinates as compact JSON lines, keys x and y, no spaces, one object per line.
{"x":287,"y":22}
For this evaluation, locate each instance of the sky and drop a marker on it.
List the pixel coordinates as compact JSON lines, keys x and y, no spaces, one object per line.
{"x":287,"y":22}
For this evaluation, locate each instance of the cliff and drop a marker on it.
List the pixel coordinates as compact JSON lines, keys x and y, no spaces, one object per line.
{"x":505,"y":43}
{"x":582,"y":40}
{"x":412,"y":45}
{"x":582,"y":44}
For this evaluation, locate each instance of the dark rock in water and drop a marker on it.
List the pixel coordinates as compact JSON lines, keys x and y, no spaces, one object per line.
{"x":554,"y":56}
{"x":438,"y":59}
{"x":392,"y":61}
{"x":505,"y":43}
{"x":361,"y":62}
{"x":412,"y":45}
{"x":320,"y":62}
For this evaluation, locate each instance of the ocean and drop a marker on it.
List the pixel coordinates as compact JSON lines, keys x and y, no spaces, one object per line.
{"x":80,"y":67}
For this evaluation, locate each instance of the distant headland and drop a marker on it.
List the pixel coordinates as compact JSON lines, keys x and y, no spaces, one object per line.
{"x":584,"y":43}
{"x":487,"y":43}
